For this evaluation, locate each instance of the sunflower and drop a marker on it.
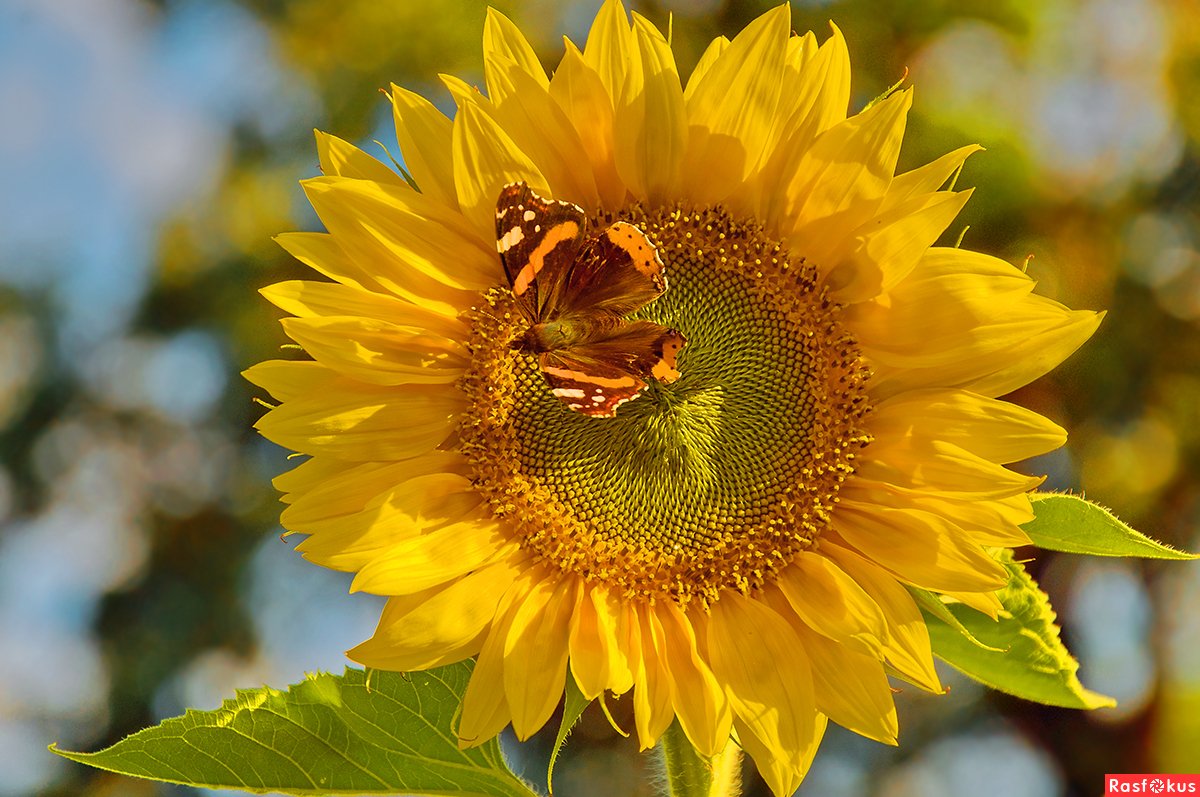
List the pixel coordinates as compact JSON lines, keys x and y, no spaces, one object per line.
{"x":733,"y":547}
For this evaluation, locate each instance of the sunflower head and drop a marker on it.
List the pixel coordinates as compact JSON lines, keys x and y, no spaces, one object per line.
{"x":799,"y":390}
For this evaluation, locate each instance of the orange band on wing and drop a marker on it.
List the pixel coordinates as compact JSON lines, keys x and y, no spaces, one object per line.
{"x":590,"y":379}
{"x":564,"y":231}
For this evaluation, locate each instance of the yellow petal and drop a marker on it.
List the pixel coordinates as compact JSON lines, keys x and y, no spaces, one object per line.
{"x":435,"y":557}
{"x":653,"y":133}
{"x":311,"y":474}
{"x":603,"y":645}
{"x":485,"y":160}
{"x":746,"y":644}
{"x":964,"y":319}
{"x":781,"y":773}
{"x":308,"y":299}
{"x":926,"y":179}
{"x":802,"y":51}
{"x":288,"y":380}
{"x":463,"y":93}
{"x":630,"y":131}
{"x":439,"y":626}
{"x":321,"y":251}
{"x":994,"y":522}
{"x":410,"y":509}
{"x":652,"y":693}
{"x":378,"y":352}
{"x":841,"y":179}
{"x":588,"y":656}
{"x":535,"y":653}
{"x":325,"y":254}
{"x":400,"y":231}
{"x":827,"y":79}
{"x":543,"y":132}
{"x":907,"y":647}
{"x":358,"y":422}
{"x":423,"y":133}
{"x":919,"y":548}
{"x":340,"y":158}
{"x":852,"y":688}
{"x":485,"y":709}
{"x":627,"y":631}
{"x":995,"y":430}
{"x":1039,"y":354}
{"x":749,"y":198}
{"x":888,"y":247}
{"x":815,"y":95}
{"x":325,"y":489}
{"x":940,"y":465}
{"x":580,"y":93}
{"x":707,"y":59}
{"x":504,"y":40}
{"x":830,"y":602}
{"x":610,"y":49}
{"x":698,"y":698}
{"x":985,"y":602}
{"x":731,"y":111}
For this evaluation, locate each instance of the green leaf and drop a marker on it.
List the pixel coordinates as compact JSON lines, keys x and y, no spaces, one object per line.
{"x":1070,"y":524}
{"x":1031,"y":662}
{"x":573,"y":707}
{"x":359,"y":733}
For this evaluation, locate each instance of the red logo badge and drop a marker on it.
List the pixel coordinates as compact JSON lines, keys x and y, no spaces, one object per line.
{"x":1151,"y":784}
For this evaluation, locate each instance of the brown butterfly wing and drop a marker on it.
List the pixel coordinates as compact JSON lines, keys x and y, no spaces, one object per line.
{"x":642,"y":348}
{"x":587,"y":385}
{"x":538,"y":240}
{"x":618,"y":271}
{"x":612,"y":367}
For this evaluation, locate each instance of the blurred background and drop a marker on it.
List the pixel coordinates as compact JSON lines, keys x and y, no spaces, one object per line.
{"x":153,"y":148}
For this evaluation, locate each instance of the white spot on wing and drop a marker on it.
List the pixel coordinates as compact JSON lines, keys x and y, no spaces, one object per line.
{"x":567,"y":392}
{"x":510,"y":239}
{"x":529,"y":215}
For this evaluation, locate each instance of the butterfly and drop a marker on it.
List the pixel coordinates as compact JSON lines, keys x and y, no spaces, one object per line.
{"x":575,"y":287}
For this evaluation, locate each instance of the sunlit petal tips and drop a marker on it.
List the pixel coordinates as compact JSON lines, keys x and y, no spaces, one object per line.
{"x":835,"y":433}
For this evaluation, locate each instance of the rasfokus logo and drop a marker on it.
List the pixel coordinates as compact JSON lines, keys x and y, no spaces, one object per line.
{"x":1151,"y":784}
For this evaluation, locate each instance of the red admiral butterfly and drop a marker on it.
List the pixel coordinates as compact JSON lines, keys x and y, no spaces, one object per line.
{"x":575,"y":287}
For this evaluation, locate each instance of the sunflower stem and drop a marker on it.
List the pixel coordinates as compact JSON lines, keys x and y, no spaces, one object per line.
{"x":690,"y":774}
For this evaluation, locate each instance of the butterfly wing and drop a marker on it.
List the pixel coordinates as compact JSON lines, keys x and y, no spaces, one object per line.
{"x":589,"y":386}
{"x":538,"y":240}
{"x":612,"y":367}
{"x":618,"y":271}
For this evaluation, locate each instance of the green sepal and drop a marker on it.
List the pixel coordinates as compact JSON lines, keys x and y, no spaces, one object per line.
{"x":408,"y":178}
{"x":1023,"y":654}
{"x":889,"y":91}
{"x":931,"y":604}
{"x":1071,"y":524}
{"x":573,"y":706}
{"x":357,"y":733}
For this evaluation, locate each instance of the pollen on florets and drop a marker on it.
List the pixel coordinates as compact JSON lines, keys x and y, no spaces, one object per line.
{"x":713,"y":482}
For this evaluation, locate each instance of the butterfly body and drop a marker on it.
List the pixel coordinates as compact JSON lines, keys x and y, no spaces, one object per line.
{"x":553,"y":335}
{"x":575,"y":288}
